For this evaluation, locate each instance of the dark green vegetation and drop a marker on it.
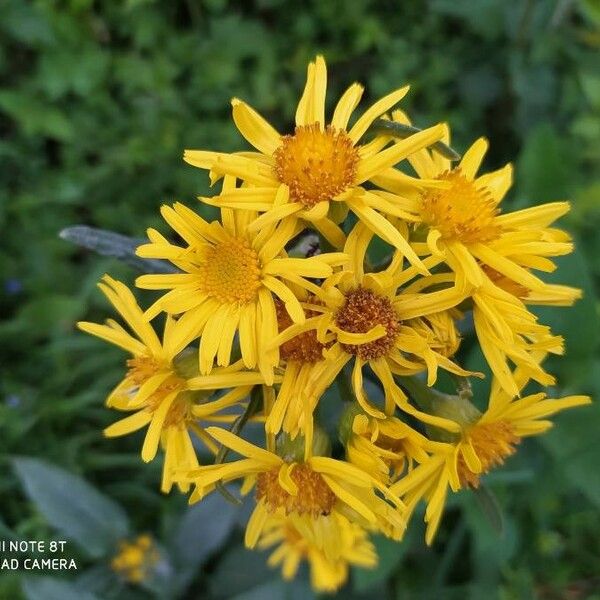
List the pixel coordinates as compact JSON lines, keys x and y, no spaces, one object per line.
{"x":97,"y":102}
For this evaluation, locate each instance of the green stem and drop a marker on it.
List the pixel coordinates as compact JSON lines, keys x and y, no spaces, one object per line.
{"x":427,"y":399}
{"x":344,"y":386}
{"x":236,"y":428}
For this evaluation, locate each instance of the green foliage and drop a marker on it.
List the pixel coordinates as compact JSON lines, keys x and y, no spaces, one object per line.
{"x":97,"y":102}
{"x":73,"y":507}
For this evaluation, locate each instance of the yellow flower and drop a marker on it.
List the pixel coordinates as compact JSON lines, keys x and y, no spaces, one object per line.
{"x":507,"y":331}
{"x":492,"y":252}
{"x":464,"y":226}
{"x":364,"y":318}
{"x":309,"y":485}
{"x":440,"y":331}
{"x":329,"y":543}
{"x":156,"y":389}
{"x":386,"y":448}
{"x":135,"y":559}
{"x":485,"y":441}
{"x":317,"y":164}
{"x":230,"y":280}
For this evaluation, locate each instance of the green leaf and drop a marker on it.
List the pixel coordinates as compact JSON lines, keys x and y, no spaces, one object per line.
{"x":278,"y":590}
{"x":202,"y":530}
{"x":490,"y":552}
{"x":239,"y":570}
{"x":108,"y":243}
{"x":490,"y":507}
{"x":391,"y":554}
{"x":73,"y":506}
{"x":52,"y":588}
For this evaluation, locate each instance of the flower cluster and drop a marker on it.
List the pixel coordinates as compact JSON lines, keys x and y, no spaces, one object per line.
{"x":280,"y":299}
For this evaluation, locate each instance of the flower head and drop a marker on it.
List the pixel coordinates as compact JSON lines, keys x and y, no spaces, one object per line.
{"x":485,"y":441}
{"x":302,"y":485}
{"x":329,"y":543}
{"x":319,"y":163}
{"x":135,"y":559}
{"x":365,"y":319}
{"x":230,"y":284}
{"x":157,"y":388}
{"x":492,"y":252}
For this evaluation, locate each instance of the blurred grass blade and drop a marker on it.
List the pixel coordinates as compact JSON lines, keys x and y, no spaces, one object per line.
{"x":403,"y":131}
{"x":491,"y":508}
{"x":122,"y":247}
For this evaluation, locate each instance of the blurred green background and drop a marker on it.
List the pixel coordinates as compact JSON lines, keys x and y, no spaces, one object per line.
{"x":98,"y":101}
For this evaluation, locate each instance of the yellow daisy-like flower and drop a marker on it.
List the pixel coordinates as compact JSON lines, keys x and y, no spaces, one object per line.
{"x":493,"y":253}
{"x":363,"y":318}
{"x":230,"y":280}
{"x":157,"y":390}
{"x":329,"y":543}
{"x":463,"y":223}
{"x":440,"y":331}
{"x":135,"y":559}
{"x":316,"y":165}
{"x":485,"y":441}
{"x":313,"y":486}
{"x":507,"y":331}
{"x":387,"y":448}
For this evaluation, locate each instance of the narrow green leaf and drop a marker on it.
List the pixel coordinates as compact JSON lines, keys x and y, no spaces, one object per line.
{"x":402,"y":130}
{"x":491,"y":508}
{"x":122,"y":247}
{"x":73,"y":506}
{"x":202,"y":530}
{"x":53,"y":588}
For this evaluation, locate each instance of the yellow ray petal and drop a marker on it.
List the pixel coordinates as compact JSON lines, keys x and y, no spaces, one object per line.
{"x":237,"y":444}
{"x":129,"y":424}
{"x":346,"y":105}
{"x":152,"y":439}
{"x":375,"y":111}
{"x":369,"y":167}
{"x":255,"y":128}
{"x":471,"y":161}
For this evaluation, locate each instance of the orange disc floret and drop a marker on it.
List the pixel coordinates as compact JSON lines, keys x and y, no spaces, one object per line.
{"x":462,"y":211}
{"x":363,"y":310}
{"x":304,"y":347}
{"x":493,"y":443}
{"x":314,"y":495}
{"x":316,"y":164}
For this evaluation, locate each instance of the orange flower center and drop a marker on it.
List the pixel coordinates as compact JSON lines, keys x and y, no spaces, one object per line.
{"x":314,"y":495}
{"x":362,"y":311}
{"x":492,"y":442}
{"x":141,"y":368}
{"x":302,"y":348}
{"x":462,"y":211}
{"x":316,"y":165}
{"x":230,"y":272}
